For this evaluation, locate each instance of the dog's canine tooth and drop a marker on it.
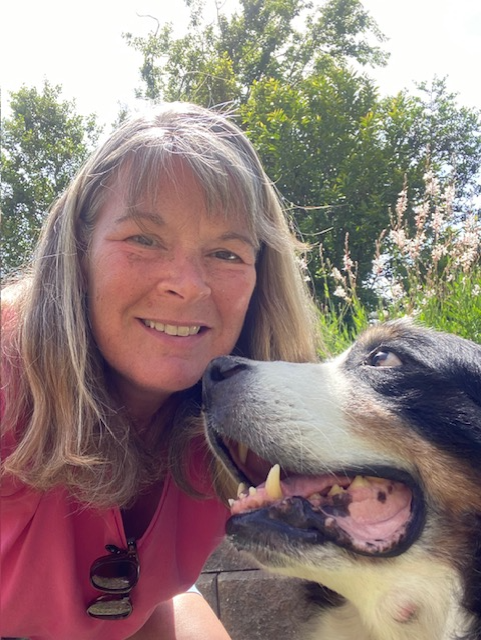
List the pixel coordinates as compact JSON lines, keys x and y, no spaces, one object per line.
{"x":252,"y":491}
{"x":243,"y":450}
{"x":231,"y":502}
{"x":273,"y":483}
{"x":241,"y":490}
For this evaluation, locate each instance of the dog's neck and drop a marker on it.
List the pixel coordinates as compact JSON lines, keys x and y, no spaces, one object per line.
{"x":399,"y":600}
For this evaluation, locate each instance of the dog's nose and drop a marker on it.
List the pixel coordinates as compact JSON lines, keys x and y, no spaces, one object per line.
{"x":223,"y":368}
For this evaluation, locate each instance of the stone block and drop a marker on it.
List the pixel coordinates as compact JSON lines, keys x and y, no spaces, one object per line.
{"x":255,"y":605}
{"x":207,"y":585}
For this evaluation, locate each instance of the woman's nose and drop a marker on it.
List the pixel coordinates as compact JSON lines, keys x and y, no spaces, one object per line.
{"x":185,"y":277}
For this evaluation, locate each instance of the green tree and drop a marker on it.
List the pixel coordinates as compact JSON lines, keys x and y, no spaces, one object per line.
{"x":452,"y":135}
{"x":43,"y":143}
{"x":321,"y":143}
{"x":281,"y":39}
{"x":340,"y":155}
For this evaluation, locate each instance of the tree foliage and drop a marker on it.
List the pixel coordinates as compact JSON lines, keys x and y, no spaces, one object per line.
{"x":220,"y":61}
{"x":340,"y":155}
{"x":43,"y":143}
{"x":452,"y":134}
{"x":320,"y":143}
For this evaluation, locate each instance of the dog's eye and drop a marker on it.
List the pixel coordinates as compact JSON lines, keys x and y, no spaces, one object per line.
{"x":384,"y":359}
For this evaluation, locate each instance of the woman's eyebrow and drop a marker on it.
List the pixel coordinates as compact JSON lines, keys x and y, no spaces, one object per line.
{"x":234,"y":235}
{"x":154,"y":218}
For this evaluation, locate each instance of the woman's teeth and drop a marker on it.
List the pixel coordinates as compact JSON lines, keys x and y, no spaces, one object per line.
{"x":172,"y":330}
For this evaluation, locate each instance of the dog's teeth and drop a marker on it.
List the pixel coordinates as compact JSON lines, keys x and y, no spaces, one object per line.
{"x":273,"y":483}
{"x":359,"y":482}
{"x":243,"y":450}
{"x":231,"y":502}
{"x":252,"y":491}
{"x":335,"y":490}
{"x":241,"y":490}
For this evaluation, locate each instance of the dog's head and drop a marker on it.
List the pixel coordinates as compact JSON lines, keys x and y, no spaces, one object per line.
{"x":376,"y":450}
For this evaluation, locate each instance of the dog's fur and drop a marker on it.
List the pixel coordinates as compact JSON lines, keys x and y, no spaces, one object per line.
{"x":403,"y":403}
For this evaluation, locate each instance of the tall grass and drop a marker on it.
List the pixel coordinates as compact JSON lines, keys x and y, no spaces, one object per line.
{"x":342,"y":315}
{"x":427,"y":266}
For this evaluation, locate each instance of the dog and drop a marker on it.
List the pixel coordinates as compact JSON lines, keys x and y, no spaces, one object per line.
{"x":361,"y":475}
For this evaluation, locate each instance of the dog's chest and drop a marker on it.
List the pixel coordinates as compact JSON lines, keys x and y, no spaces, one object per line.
{"x":341,"y":623}
{"x":345,"y":623}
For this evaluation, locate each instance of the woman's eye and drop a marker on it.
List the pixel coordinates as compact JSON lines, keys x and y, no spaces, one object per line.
{"x":229,"y":256}
{"x":384,"y":359}
{"x":145,"y":241}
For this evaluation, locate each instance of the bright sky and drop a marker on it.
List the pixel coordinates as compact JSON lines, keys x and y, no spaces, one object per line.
{"x":80,"y":45}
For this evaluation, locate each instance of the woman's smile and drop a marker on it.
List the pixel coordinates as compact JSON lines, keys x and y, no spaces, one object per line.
{"x":172,"y":329}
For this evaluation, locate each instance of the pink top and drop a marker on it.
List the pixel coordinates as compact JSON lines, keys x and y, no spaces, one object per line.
{"x":48,"y":542}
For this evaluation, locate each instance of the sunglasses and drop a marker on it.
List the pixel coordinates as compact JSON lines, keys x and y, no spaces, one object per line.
{"x":115,"y":575}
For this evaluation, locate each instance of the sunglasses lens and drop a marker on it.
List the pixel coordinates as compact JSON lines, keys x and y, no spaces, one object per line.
{"x":110,"y":608}
{"x":115,"y":575}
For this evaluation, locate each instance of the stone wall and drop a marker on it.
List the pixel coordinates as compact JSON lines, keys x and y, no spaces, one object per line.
{"x":252,"y":604}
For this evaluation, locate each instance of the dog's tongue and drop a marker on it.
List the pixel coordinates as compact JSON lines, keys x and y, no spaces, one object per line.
{"x":369,"y":511}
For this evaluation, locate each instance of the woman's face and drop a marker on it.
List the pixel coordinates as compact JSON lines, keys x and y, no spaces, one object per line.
{"x":168,"y":290}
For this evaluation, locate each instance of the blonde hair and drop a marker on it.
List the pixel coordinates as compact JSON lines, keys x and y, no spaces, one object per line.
{"x":67,"y":426}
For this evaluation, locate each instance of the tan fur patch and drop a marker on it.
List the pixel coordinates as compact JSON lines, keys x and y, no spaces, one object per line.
{"x":451,"y":485}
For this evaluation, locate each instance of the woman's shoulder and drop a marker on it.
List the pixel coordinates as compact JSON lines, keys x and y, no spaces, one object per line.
{"x":10,"y":375}
{"x":10,"y":354}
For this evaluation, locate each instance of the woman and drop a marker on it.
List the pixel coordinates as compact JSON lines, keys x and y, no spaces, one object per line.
{"x":168,"y":249}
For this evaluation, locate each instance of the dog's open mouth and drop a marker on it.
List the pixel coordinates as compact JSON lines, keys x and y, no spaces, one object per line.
{"x":375,"y":515}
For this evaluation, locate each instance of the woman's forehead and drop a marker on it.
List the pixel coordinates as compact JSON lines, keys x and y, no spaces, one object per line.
{"x":143,"y":189}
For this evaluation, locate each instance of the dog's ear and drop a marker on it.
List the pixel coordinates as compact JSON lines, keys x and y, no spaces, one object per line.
{"x":440,"y":393}
{"x":471,"y":384}
{"x":460,"y":363}
{"x":464,"y":364}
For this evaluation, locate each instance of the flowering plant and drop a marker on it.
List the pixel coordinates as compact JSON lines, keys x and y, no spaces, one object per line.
{"x":429,"y":268}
